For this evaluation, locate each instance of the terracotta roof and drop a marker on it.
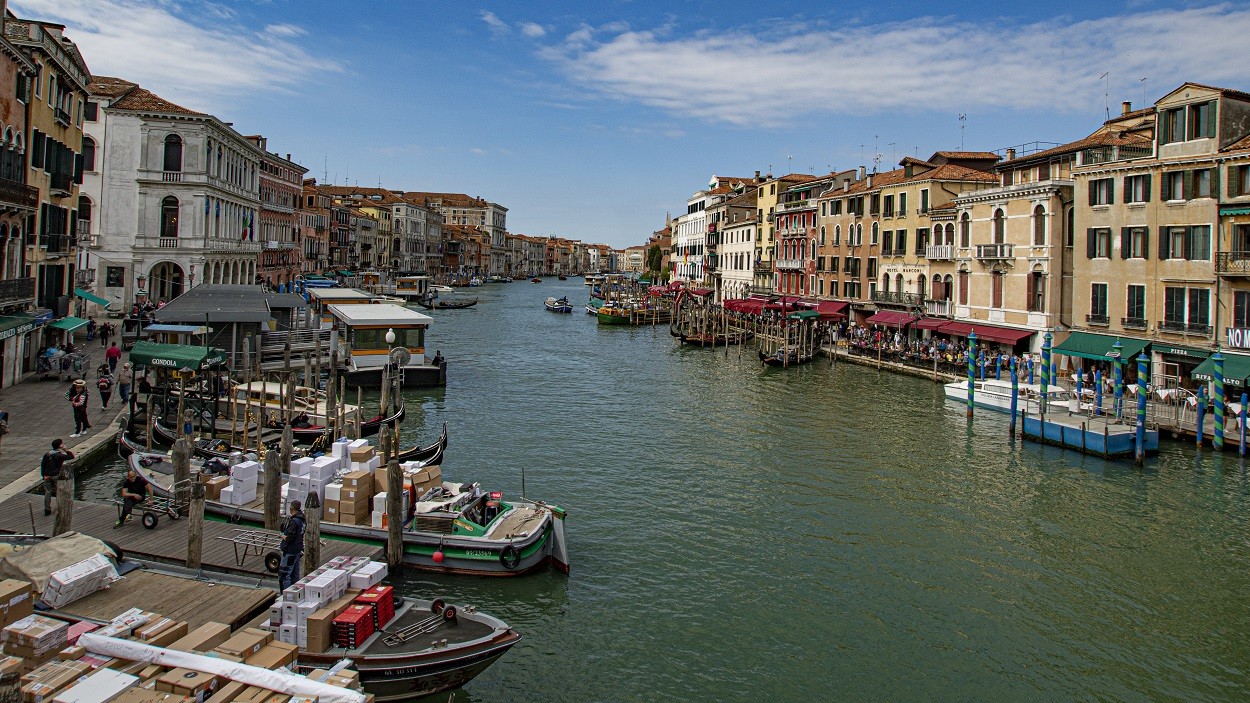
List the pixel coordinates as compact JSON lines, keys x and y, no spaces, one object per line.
{"x":1099,"y":138}
{"x":1223,"y":91}
{"x":747,"y":199}
{"x":142,"y":100}
{"x":944,"y":172}
{"x":110,"y":87}
{"x":966,"y":155}
{"x":1239,"y":145}
{"x":915,"y":161}
{"x":444,"y":199}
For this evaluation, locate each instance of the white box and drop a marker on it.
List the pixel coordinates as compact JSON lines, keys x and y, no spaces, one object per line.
{"x":358,"y":444}
{"x":289,"y":610}
{"x":286,"y":634}
{"x":339,"y":449}
{"x":334,"y":491}
{"x":293,"y":593}
{"x":374,"y":463}
{"x":301,"y":638}
{"x":369,"y":574}
{"x":78,"y":580}
{"x":339,"y":577}
{"x":100,"y":687}
{"x":376,"y":519}
{"x":301,"y":466}
{"x":379,"y":503}
{"x":297,"y":486}
{"x":320,"y":589}
{"x":275,"y":612}
{"x":242,"y":495}
{"x":304,"y":610}
{"x":245,"y":471}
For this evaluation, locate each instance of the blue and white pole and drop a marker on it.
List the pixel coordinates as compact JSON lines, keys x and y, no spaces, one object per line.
{"x":1217,"y":359}
{"x":998,"y":367}
{"x":1117,"y":349}
{"x":972,"y":356}
{"x":1098,"y":391}
{"x":1241,"y":447}
{"x":1029,"y":365}
{"x":1015,"y":393}
{"x":1046,"y":370}
{"x":1202,"y":413}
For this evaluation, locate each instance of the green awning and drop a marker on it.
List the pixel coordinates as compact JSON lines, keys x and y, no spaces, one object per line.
{"x":1235,"y":210}
{"x":803,"y":315}
{"x":14,"y":325}
{"x":1236,"y":369}
{"x":347,"y":273}
{"x":91,"y":297}
{"x":1164,"y":348}
{"x":174,"y":356}
{"x":1088,"y":345}
{"x":69,"y":324}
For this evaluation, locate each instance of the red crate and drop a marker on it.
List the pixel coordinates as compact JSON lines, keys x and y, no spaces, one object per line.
{"x":353,"y":626}
{"x":382,"y":600}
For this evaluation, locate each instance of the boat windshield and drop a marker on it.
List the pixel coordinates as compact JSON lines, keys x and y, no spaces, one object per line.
{"x":411,"y":337}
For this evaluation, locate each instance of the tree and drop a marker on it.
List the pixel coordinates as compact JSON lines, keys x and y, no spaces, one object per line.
{"x":655,"y":260}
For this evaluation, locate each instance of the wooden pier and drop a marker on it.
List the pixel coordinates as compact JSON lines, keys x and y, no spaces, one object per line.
{"x":167,"y":544}
{"x":195,"y":601}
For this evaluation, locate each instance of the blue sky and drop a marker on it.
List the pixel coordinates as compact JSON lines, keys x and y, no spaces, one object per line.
{"x":592,"y":120}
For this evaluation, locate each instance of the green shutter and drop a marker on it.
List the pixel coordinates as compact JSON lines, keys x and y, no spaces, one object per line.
{"x":1111,"y":191}
{"x":1211,"y":119}
{"x":1234,"y":181}
{"x":1189,"y":243}
{"x":1145,"y":242}
{"x":1215,"y":182}
{"x":1164,"y":253}
{"x":1188,"y":192}
{"x":1093,"y":200}
{"x":1126,"y":239}
{"x":1091,"y":244}
{"x":1146,"y":188}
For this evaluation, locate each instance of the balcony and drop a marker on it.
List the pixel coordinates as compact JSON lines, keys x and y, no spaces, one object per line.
{"x":62,"y":184}
{"x":62,"y":117}
{"x":171,"y":176}
{"x":1107,"y":154}
{"x":940,"y":252}
{"x":1133,"y":323}
{"x":942,"y":308}
{"x":762,"y":266}
{"x":17,"y":290}
{"x":19,"y":195}
{"x":58,"y":243}
{"x":791,"y":264}
{"x":898,"y":298}
{"x":1232,"y":263}
{"x":167,"y":243}
{"x":1099,"y":320}
{"x":797,"y":205}
{"x":995,"y":252}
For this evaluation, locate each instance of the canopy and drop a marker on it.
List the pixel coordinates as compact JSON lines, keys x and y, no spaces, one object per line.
{"x":69,"y":324}
{"x":176,"y":329}
{"x":174,"y":356}
{"x":1164,"y":348}
{"x":701,"y":292}
{"x":891,"y":318}
{"x":786,"y":301}
{"x":985,"y":333}
{"x":1088,"y":345}
{"x":803,"y":315}
{"x":1236,"y":369}
{"x":91,"y":297}
{"x":14,"y":325}
{"x":347,"y":273}
{"x":832,"y":309}
{"x":752,"y":306}
{"x":930,"y":323}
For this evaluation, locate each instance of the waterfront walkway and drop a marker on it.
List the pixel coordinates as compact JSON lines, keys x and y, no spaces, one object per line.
{"x":39,"y":413}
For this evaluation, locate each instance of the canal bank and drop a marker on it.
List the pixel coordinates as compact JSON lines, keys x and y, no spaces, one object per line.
{"x":740,"y":533}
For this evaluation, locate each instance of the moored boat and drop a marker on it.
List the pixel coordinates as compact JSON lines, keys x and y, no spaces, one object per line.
{"x":995,"y":394}
{"x":364,"y":330}
{"x":788,"y":358}
{"x":429,"y":304}
{"x":716,"y":340}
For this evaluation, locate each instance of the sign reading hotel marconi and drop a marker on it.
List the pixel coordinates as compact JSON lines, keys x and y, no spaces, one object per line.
{"x":1238,"y":337}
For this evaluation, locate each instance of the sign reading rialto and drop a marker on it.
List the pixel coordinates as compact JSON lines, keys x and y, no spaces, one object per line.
{"x":1238,"y":337}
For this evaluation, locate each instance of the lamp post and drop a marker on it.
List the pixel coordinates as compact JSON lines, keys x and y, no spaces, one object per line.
{"x":142,"y":291}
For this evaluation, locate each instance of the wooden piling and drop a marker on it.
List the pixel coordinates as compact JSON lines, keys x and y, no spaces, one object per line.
{"x":273,"y":490}
{"x":394,"y":512}
{"x":63,"y":518}
{"x":312,"y":532}
{"x":360,"y":410}
{"x":195,"y":527}
{"x":180,"y":455}
{"x":149,"y":421}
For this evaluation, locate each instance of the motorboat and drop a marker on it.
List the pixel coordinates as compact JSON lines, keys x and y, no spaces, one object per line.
{"x":558,"y":305}
{"x":995,"y":394}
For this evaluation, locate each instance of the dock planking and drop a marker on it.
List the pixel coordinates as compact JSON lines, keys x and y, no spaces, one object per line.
{"x":181,"y":598}
{"x":166,"y":544}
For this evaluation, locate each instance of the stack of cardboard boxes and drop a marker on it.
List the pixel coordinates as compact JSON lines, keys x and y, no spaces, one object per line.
{"x":78,"y":580}
{"x":309,"y":475}
{"x":244,"y":478}
{"x":304,"y":615}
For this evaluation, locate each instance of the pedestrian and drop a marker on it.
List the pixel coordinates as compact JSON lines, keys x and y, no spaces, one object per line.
{"x":125,"y":377}
{"x":114,"y":355}
{"x":135,"y":489}
{"x":105,"y":386}
{"x":77,"y":397}
{"x":91,"y":327}
{"x":50,"y":470}
{"x":106,"y":331}
{"x":292,"y":547}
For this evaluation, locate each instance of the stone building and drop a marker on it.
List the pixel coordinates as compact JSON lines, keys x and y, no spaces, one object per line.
{"x":281,"y":184}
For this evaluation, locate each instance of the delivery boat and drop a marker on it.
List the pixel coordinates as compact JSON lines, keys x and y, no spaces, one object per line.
{"x":365,"y":349}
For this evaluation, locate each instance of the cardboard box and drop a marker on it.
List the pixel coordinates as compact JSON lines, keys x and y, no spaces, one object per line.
{"x":346,"y":678}
{"x":50,"y":679}
{"x":78,"y":580}
{"x":358,"y":480}
{"x":187,"y":682}
{"x":277,"y":698}
{"x":16,"y":601}
{"x":214,"y":486}
{"x":78,"y":629}
{"x":330,"y":510}
{"x":149,"y":695}
{"x":71,"y":653}
{"x":273,"y":655}
{"x":355,"y":496}
{"x":34,"y":636}
{"x":245,"y":643}
{"x":162,"y":632}
{"x":380,"y":477}
{"x":228,"y":692}
{"x":202,"y":638}
{"x":102,"y":686}
{"x":253,"y":694}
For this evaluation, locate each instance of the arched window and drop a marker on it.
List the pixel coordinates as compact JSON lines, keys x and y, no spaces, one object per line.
{"x":898,"y":283}
{"x":965,"y":230}
{"x":1039,"y":225}
{"x":1000,"y":226}
{"x":937,"y":287}
{"x":169,"y":217}
{"x":173,"y":153}
{"x":950,"y":234}
{"x":885,"y":283}
{"x":876,"y":232}
{"x":813,"y":249}
{"x":837,"y":234}
{"x":88,"y":154}
{"x":859,"y":234}
{"x":84,"y":214}
{"x":920,"y":285}
{"x":948,"y":285}
{"x":822,"y":235}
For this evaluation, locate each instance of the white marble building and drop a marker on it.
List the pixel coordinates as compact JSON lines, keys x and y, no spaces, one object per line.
{"x":177,"y":193}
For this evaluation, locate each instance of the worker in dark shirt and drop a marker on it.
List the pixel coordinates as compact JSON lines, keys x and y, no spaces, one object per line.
{"x":292,"y":547}
{"x":50,"y":471}
{"x":135,"y":489}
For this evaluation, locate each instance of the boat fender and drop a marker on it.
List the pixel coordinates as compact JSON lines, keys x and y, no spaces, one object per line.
{"x":510,"y":557}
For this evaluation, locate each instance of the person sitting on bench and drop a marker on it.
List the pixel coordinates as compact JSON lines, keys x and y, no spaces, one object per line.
{"x":135,"y":489}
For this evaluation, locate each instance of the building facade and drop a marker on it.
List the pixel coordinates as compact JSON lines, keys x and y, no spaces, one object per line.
{"x":279,"y":230}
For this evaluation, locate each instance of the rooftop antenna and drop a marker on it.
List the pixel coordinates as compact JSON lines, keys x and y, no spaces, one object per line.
{"x":893,"y":152}
{"x":963,"y":123}
{"x":325,"y":169}
{"x":790,"y":163}
{"x":1143,"y":91}
{"x":1106,"y":94}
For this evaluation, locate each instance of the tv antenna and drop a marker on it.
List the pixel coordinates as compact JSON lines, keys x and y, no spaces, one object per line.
{"x":1106,"y":95}
{"x":1143,"y":91}
{"x":963,"y":122}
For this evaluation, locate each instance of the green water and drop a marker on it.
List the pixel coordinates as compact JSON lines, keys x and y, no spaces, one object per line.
{"x":819,"y":533}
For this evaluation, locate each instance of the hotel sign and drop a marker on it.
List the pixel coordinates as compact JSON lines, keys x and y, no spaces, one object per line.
{"x":1238,"y":337}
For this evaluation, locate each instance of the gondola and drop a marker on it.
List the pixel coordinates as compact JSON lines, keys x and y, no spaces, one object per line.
{"x":309,"y":434}
{"x":791,"y":358}
{"x":536,"y":280}
{"x":447,"y":304}
{"x":716,"y":340}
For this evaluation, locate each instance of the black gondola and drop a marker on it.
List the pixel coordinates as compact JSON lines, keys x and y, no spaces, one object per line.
{"x":447,"y":304}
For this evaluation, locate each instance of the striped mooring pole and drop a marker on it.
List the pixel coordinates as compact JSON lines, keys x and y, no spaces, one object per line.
{"x":1015,"y":394}
{"x":972,"y":359}
{"x":1046,"y":370}
{"x":1217,"y":359}
{"x":1241,"y":445}
{"x":1140,"y":454}
{"x":1117,"y":350}
{"x":1202,"y":414}
{"x":1098,"y":391}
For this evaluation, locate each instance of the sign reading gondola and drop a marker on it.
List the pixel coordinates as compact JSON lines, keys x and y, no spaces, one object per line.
{"x":1238,"y":337}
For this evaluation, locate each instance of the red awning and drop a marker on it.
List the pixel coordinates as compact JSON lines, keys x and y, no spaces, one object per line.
{"x":891,"y":318}
{"x":832,"y":309}
{"x":789,"y":302}
{"x":753,"y":306}
{"x":930,"y":323}
{"x":986,"y":333}
{"x":701,"y":292}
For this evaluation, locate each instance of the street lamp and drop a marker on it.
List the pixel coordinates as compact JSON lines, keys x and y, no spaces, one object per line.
{"x":390,"y":336}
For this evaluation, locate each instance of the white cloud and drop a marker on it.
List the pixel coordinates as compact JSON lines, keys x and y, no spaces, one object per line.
{"x":533,"y":29}
{"x":478,"y":151}
{"x":742,"y":77}
{"x":497,"y":26}
{"x":160,"y":45}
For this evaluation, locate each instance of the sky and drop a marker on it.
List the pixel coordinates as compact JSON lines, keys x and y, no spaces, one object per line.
{"x":597,"y":120}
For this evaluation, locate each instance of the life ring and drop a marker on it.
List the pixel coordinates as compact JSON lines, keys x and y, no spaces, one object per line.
{"x":510,"y":557}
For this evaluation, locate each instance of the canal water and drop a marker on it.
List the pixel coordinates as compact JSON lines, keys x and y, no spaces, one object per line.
{"x":743,"y":534}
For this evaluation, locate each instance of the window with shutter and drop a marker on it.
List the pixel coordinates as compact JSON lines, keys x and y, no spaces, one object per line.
{"x":1125,"y":243}
{"x":1028,"y":293}
{"x":1234,"y":181}
{"x":1091,"y":243}
{"x":1164,"y":245}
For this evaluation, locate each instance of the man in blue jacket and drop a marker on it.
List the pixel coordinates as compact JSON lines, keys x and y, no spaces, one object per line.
{"x":292,"y":547}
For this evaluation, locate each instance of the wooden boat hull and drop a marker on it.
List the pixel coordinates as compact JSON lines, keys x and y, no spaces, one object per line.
{"x":794,"y":359}
{"x":715,"y":340}
{"x":445,"y":305}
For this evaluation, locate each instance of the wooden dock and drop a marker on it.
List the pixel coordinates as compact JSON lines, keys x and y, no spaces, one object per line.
{"x":167,"y":544}
{"x":195,"y":601}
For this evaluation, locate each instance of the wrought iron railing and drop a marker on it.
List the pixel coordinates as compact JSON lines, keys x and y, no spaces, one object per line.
{"x":1097,"y":320}
{"x":995,"y":251}
{"x":1233,"y":263}
{"x":14,"y":290}
{"x":898,"y":298}
{"x":1133,"y":323}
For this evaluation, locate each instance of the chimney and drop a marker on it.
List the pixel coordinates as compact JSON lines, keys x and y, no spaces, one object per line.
{"x":870,"y":180}
{"x":1011,"y":154}
{"x":846,"y":186}
{"x":862,"y":170}
{"x":1126,"y":107}
{"x":288,"y":157}
{"x":757,"y":176}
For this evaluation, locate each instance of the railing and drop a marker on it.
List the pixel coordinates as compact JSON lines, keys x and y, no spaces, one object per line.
{"x":797,"y":205}
{"x":15,"y":290}
{"x":1203,"y":330}
{"x":940,"y":252}
{"x":1186,"y":328}
{"x":898,"y":298}
{"x":62,"y":116}
{"x":171,"y":176}
{"x":762,"y":266}
{"x":1173,"y":326}
{"x":995,"y":251}
{"x":1133,"y":323}
{"x":58,"y":243}
{"x":1233,"y":263}
{"x":938,"y":307}
{"x":167,"y":243}
{"x":1106,"y":154}
{"x":1097,"y":320}
{"x":20,"y":194}
{"x":788,"y":264}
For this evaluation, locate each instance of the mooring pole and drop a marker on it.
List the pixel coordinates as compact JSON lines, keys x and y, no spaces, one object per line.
{"x":312,"y":532}
{"x":195,"y":527}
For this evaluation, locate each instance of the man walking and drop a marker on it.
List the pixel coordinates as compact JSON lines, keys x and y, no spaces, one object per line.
{"x":113,"y":355}
{"x":106,"y":331}
{"x":105,"y":386}
{"x":125,"y":377}
{"x":292,"y":547}
{"x":77,"y":397}
{"x":50,"y":470}
{"x":135,"y":489}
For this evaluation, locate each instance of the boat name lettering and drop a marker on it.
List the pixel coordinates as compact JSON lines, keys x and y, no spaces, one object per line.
{"x":478,"y":553}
